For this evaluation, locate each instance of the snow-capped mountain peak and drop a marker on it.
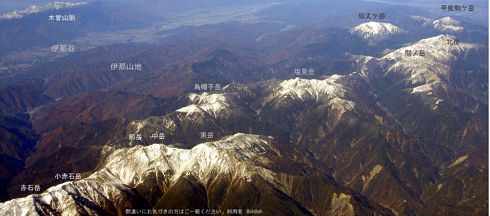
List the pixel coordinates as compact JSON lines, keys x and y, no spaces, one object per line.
{"x":376,"y":30}
{"x":212,"y":104}
{"x":445,"y":24}
{"x":448,"y":24}
{"x":33,"y":9}
{"x":428,"y":70}
{"x":436,"y":49}
{"x":239,"y":156}
{"x":311,"y":87}
{"x":330,"y":91}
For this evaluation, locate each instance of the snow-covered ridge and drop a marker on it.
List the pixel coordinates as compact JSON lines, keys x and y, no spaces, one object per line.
{"x":436,"y":50}
{"x":238,"y":156}
{"x":448,"y":24}
{"x":445,"y":24}
{"x":311,"y":87}
{"x":329,"y":90}
{"x":421,"y":18}
{"x":376,"y":30}
{"x":427,"y":71}
{"x":33,"y":9}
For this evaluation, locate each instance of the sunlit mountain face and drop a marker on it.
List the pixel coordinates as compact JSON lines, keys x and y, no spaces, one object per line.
{"x":239,"y":107}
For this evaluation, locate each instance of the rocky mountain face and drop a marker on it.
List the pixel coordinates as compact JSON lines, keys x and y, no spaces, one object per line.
{"x":392,"y":121}
{"x":217,"y":174}
{"x":16,"y":144}
{"x":352,"y":126}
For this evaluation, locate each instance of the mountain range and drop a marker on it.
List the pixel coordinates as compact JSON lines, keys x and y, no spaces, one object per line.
{"x":382,"y":117}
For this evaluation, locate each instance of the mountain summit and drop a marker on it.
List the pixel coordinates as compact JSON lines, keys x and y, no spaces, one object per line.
{"x":376,"y":30}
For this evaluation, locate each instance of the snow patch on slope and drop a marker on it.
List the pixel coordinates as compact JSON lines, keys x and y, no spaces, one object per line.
{"x":367,"y":179}
{"x":458,"y":161}
{"x":341,"y":205}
